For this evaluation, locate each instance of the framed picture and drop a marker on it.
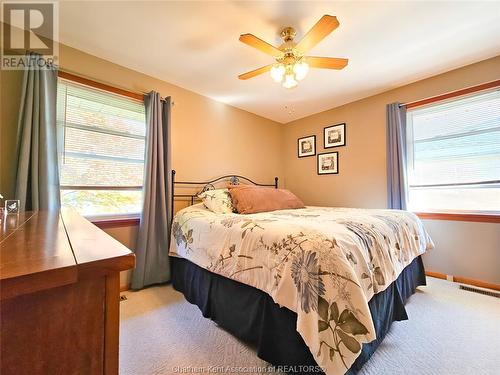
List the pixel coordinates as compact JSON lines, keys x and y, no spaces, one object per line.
{"x":334,"y":136}
{"x":12,"y":206}
{"x":307,"y":146}
{"x":328,"y":163}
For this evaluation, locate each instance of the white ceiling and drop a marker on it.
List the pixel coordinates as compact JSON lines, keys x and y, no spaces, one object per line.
{"x":195,"y":45}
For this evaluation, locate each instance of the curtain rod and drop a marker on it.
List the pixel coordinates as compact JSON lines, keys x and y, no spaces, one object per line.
{"x":452,"y":94}
{"x":102,"y":86}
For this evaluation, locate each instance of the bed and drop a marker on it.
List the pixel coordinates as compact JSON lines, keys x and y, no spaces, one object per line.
{"x":313,"y":289}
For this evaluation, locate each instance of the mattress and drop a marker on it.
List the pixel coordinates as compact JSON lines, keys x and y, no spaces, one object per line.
{"x":324,"y":264}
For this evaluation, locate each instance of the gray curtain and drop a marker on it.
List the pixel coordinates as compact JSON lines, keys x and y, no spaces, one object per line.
{"x":396,"y":156}
{"x":37,"y":179}
{"x":152,"y":261}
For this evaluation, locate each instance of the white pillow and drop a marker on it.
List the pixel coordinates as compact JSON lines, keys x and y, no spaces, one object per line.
{"x":218,"y":201}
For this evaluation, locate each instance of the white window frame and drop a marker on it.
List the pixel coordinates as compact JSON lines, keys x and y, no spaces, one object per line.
{"x":104,"y":218}
{"x":452,"y":214}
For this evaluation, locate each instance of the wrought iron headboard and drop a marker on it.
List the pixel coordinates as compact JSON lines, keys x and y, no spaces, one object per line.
{"x":209,"y":185}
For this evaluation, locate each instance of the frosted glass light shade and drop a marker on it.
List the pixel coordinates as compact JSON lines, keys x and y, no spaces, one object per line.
{"x":300,"y":69}
{"x":277,"y":72}
{"x":290,"y":81}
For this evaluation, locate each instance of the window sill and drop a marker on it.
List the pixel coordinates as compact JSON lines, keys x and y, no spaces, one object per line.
{"x":460,"y":216}
{"x":114,"y":222}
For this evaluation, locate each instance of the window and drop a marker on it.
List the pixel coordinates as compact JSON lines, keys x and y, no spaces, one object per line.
{"x":101,"y":142}
{"x":453,"y":155}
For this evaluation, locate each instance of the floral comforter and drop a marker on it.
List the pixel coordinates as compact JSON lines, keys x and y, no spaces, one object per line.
{"x":323,"y":263}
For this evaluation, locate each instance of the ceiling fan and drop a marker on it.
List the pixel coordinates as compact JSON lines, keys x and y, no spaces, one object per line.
{"x":291,"y":65}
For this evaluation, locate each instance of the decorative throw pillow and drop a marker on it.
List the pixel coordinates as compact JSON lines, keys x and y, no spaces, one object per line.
{"x":218,"y":201}
{"x":249,"y":199}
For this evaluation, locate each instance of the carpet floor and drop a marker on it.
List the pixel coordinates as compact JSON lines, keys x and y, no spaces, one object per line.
{"x":450,"y":331}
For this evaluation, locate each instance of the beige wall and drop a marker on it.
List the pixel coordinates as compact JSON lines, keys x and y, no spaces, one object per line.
{"x":127,"y":236}
{"x":362,"y":178}
{"x":208,"y":138}
{"x":465,"y":249}
{"x":10,"y":93}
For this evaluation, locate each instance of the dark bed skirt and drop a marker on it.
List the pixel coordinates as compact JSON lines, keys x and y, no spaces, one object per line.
{"x":252,"y":316}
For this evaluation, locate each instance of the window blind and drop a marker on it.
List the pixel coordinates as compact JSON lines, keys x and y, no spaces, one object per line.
{"x":453,"y":154}
{"x":101,"y":141}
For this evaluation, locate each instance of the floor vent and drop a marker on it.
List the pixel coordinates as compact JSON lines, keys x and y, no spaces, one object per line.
{"x":123,"y":298}
{"x":486,"y":292}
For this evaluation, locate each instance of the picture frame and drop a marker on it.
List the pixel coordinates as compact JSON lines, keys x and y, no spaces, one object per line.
{"x":334,"y":135}
{"x":328,"y":163}
{"x":306,"y":146}
{"x":12,"y":206}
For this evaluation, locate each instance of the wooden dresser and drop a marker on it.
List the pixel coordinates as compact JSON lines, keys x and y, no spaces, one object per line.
{"x":59,"y":295}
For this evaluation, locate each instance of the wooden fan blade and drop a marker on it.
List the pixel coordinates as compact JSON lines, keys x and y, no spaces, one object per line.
{"x":255,"y":72}
{"x":258,"y":43}
{"x":326,"y":62}
{"x":322,"y":28}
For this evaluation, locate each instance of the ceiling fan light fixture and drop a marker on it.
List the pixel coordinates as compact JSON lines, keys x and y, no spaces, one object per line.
{"x":290,"y":82}
{"x":277,"y":72}
{"x":300,"y":69}
{"x":290,"y":63}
